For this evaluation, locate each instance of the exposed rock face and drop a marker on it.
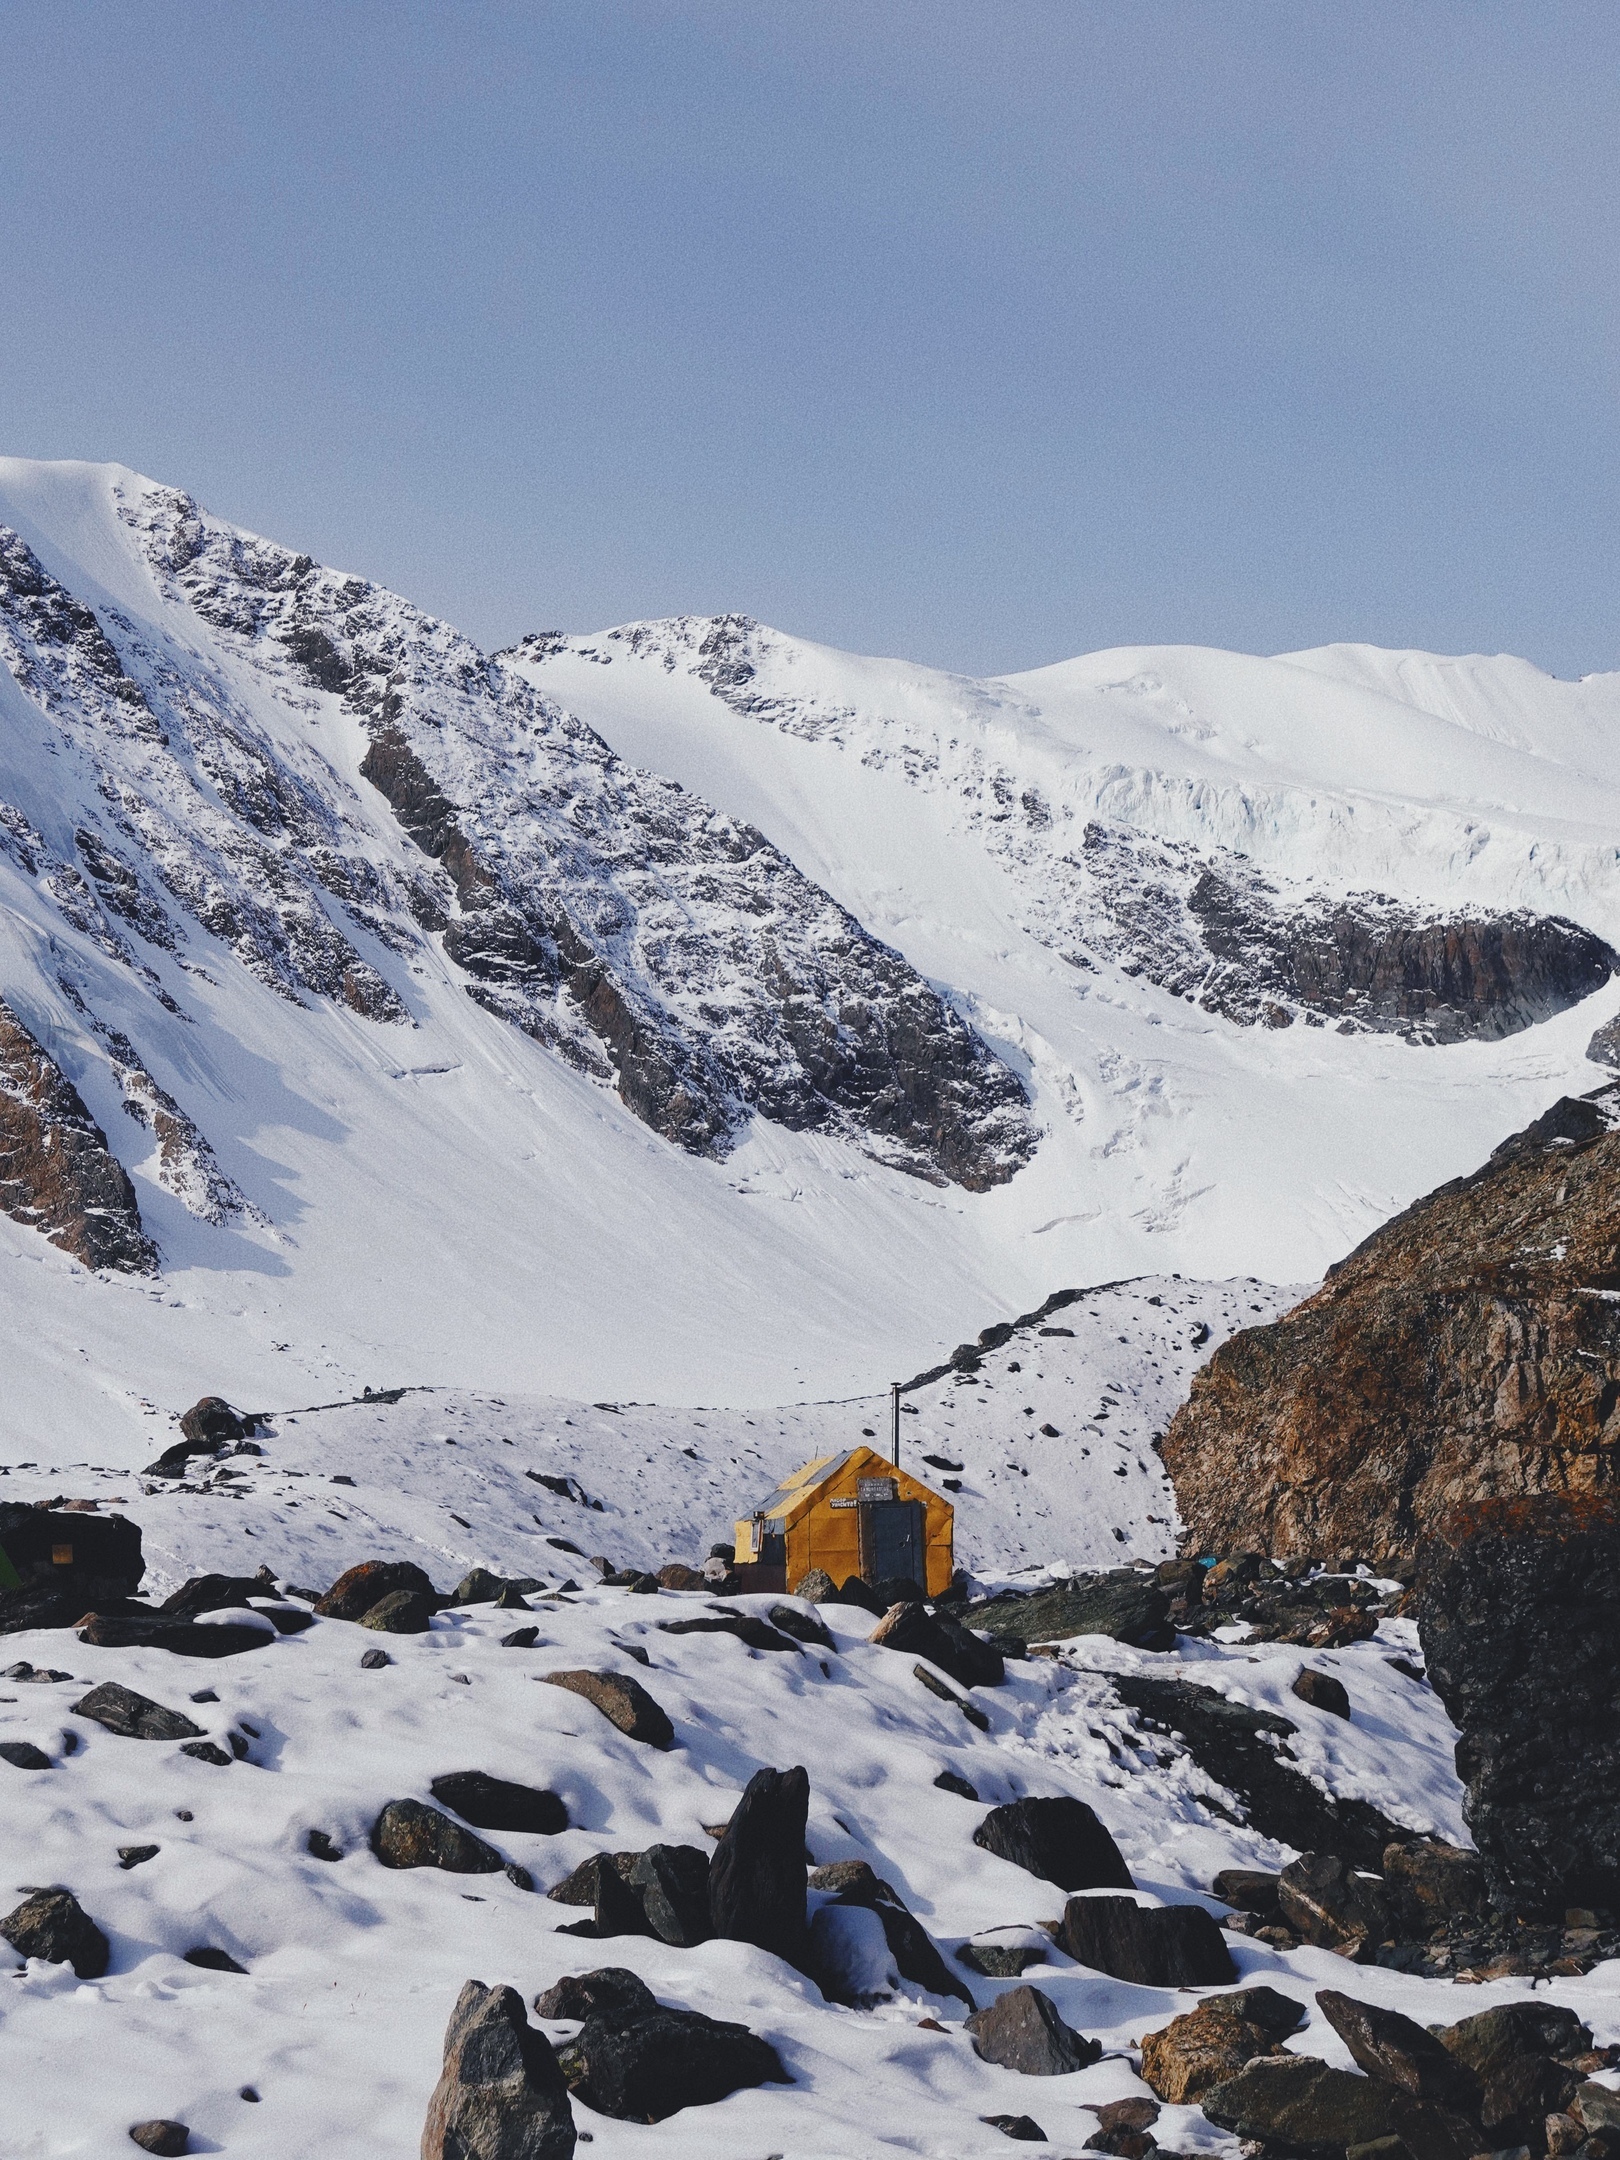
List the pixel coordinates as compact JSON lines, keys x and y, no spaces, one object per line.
{"x":1519,"y":1614}
{"x":1468,"y":1350}
{"x":1118,"y":1603}
{"x":501,"y":2094}
{"x":57,"y":1173}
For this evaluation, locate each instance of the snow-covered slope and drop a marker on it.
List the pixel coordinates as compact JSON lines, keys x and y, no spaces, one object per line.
{"x":689,"y":1014}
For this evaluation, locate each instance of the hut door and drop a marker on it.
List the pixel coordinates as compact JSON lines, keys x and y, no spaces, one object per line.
{"x":894,"y":1541}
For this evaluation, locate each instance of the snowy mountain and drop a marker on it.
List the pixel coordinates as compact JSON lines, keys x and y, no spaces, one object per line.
{"x":691,"y":1013}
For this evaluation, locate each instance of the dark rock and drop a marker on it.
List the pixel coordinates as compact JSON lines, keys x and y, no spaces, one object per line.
{"x":802,"y":1626}
{"x":375,"y":1660}
{"x":409,"y":1835}
{"x":1322,"y":1692}
{"x":1454,"y":1358}
{"x":212,"y":1423}
{"x":1512,"y":2054}
{"x":512,"y":1599}
{"x":1022,"y":2127}
{"x":672,"y":1882}
{"x":915,"y":1953}
{"x":135,"y":1717}
{"x":212,"y":1960}
{"x":1022,"y":2030}
{"x":1157,"y":1946}
{"x":616,"y":1909}
{"x":181,"y":1638}
{"x":946,"y":1693}
{"x":163,"y":2136}
{"x":1233,"y":1745}
{"x":622,"y":1701}
{"x":1296,"y":2104}
{"x":491,"y":1803}
{"x":949,"y":1781}
{"x":1336,"y":1907}
{"x":358,"y":1589}
{"x":64,"y":1563}
{"x":665,"y":2060}
{"x":1248,"y":1890}
{"x":676,"y":1576}
{"x":23,"y":1755}
{"x":855,"y":1591}
{"x":53,"y":1925}
{"x":401,"y":1612}
{"x":610,"y":1993}
{"x":1060,"y":1840}
{"x":745,"y":1626}
{"x":816,"y":1588}
{"x":57,"y":1174}
{"x":1120,"y":1603}
{"x":580,"y":1887}
{"x":1518,"y":1606}
{"x":1212,"y":2043}
{"x":134,"y":1856}
{"x":1392,"y":2048}
{"x":1123,"y":2128}
{"x":1429,"y":1883}
{"x":501,"y":2094}
{"x":912,"y":1630}
{"x":756,"y":1877}
{"x":523,"y":1638}
{"x":319,"y":1845}
{"x":207,"y":1751}
{"x":478,"y":1587}
{"x":1001,"y":1961}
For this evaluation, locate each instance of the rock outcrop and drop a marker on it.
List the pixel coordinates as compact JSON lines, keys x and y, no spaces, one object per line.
{"x":1467,"y":1351}
{"x":57,"y":1173}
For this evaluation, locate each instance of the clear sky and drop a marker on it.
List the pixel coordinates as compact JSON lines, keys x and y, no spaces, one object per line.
{"x":981,"y":331}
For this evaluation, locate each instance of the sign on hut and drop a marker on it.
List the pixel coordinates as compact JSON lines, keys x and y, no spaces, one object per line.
{"x":851,"y":1514}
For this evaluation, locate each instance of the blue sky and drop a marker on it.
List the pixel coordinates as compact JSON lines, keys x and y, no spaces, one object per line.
{"x":980,"y":333}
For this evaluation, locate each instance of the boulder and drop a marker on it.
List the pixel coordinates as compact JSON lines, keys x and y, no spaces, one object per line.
{"x":1154,"y":1945}
{"x":214,"y":1593}
{"x":855,"y":1590}
{"x":622,"y":1701}
{"x":63,"y":1564}
{"x":1322,"y":1692}
{"x":914,"y":1631}
{"x":1334,"y":1906}
{"x":1295,"y":2104}
{"x":672,"y":1883}
{"x":1429,"y":1883}
{"x":1518,"y":1608}
{"x":1455,"y":1357}
{"x":134,"y":1717}
{"x":849,"y":1949}
{"x":908,"y":1943}
{"x":358,"y":1589}
{"x":401,"y":1612}
{"x":408,"y":1834}
{"x":1512,"y":2052}
{"x":609,"y":1992}
{"x":478,"y":1587}
{"x":501,"y":2094}
{"x":163,"y":2136}
{"x":181,"y":1638}
{"x":650,"y":2068}
{"x":23,"y":1755}
{"x":1022,"y":2030}
{"x":748,"y":1628}
{"x":1212,"y":2043}
{"x":952,"y":1781}
{"x":756,"y":1877}
{"x":580,"y":1887}
{"x":802,"y":1626}
{"x":1061,"y":1840}
{"x":1003,"y":1960}
{"x":816,"y":1588}
{"x":492,"y":1803}
{"x":1251,"y":1890}
{"x":1398,"y":2052}
{"x":212,"y":1423}
{"x":1024,"y":2128}
{"x":1120,"y":1603}
{"x":53,"y":1925}
{"x":616,"y":1909}
{"x":676,"y":1576}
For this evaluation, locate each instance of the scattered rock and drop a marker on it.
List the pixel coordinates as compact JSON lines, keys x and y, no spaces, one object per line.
{"x":672,"y":1882}
{"x":501,"y":2093}
{"x":23,"y":1755}
{"x":162,"y":2136}
{"x":358,"y":1589}
{"x":492,"y":1803}
{"x":609,"y":1992}
{"x":946,"y":1693}
{"x":208,"y":1751}
{"x":661,"y":2061}
{"x":1002,"y":1961}
{"x":1023,"y":2127}
{"x":53,"y":1925}
{"x":1022,"y":2030}
{"x":208,"y":1959}
{"x":1155,"y":1945}
{"x":802,"y":1626}
{"x":523,"y":1638}
{"x":401,"y":1612}
{"x":1250,"y":1890}
{"x":915,"y":1632}
{"x":1120,"y":1603}
{"x":409,"y":1835}
{"x":1060,"y":1840}
{"x":1398,"y":2052}
{"x":914,"y":1952}
{"x":134,"y":1856}
{"x":374,"y":1660}
{"x":1518,"y":1606}
{"x":1212,"y":2043}
{"x":756,"y":1876}
{"x":950,"y":1781}
{"x":320,"y":1846}
{"x":622,"y":1701}
{"x":1334,"y":1906}
{"x":1322,"y":1692}
{"x":135,"y":1717}
{"x":1296,"y":2104}
{"x":747,"y":1628}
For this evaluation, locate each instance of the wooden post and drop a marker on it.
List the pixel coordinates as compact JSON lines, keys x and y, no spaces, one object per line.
{"x":894,"y":1398}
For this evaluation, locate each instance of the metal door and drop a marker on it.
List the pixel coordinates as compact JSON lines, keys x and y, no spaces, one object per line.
{"x":894,"y":1541}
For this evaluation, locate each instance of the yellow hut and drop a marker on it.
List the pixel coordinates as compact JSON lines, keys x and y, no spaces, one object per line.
{"x":851,"y":1514}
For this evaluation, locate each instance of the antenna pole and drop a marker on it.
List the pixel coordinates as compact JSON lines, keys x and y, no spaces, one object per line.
{"x":894,"y":1399}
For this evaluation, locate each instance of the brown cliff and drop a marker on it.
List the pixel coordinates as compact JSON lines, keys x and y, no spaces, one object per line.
{"x":1468,"y":1350}
{"x":57,"y":1173}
